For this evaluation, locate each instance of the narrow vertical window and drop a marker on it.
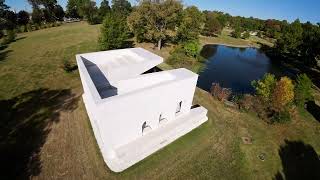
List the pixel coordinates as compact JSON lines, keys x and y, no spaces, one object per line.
{"x":179,"y":107}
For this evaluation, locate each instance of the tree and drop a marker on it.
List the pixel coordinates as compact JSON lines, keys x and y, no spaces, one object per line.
{"x":264,"y":87}
{"x":10,"y":19}
{"x":48,"y":11}
{"x":303,"y":90}
{"x":90,"y":11}
{"x":104,"y":8}
{"x":37,"y":16}
{"x":283,"y":94}
{"x":114,"y":32}
{"x":58,"y":12}
{"x":190,"y":25}
{"x":72,"y":9}
{"x":290,"y":39}
{"x":23,"y":18}
{"x":212,"y":25}
{"x":3,"y":7}
{"x":310,"y":46}
{"x":122,"y":7}
{"x":78,"y":8}
{"x":158,"y":19}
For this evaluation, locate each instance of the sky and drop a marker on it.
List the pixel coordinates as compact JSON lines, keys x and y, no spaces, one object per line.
{"x":305,"y":10}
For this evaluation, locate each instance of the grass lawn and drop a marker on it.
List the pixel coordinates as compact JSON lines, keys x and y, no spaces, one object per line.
{"x":46,"y":134}
{"x":225,"y":39}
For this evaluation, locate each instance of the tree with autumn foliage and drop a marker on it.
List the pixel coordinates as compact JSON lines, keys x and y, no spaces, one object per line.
{"x":283,"y":94}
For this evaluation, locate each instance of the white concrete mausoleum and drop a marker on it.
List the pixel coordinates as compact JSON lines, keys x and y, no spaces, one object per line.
{"x":133,"y":113}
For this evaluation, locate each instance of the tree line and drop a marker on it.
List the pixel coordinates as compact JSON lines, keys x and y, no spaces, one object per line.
{"x":168,"y":21}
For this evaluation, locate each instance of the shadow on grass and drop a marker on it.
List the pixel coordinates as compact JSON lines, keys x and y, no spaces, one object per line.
{"x":314,"y":109}
{"x":24,"y":126}
{"x":4,"y":54}
{"x":20,"y":38}
{"x":299,"y":161}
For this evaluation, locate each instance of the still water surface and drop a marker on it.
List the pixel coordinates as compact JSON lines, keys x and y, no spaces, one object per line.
{"x":234,"y":68}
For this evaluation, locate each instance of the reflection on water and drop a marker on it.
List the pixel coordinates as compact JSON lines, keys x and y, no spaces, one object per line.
{"x":234,"y":68}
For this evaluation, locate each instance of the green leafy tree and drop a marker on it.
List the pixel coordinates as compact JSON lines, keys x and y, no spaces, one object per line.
{"x":122,"y":7}
{"x":37,"y":16}
{"x":190,"y":26}
{"x":10,"y":19}
{"x":90,"y":11}
{"x":48,"y":11}
{"x":264,"y":87}
{"x":58,"y":12}
{"x":159,"y":20}
{"x":114,"y":33}
{"x":3,"y":7}
{"x":212,"y":25}
{"x":23,"y":18}
{"x":303,"y":90}
{"x":72,"y":9}
{"x":104,"y":8}
{"x":290,"y":39}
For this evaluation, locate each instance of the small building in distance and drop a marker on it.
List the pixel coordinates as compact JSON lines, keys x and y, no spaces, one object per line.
{"x":133,"y":112}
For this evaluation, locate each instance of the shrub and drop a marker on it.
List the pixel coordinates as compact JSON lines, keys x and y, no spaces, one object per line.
{"x":11,"y":36}
{"x":261,"y":108}
{"x":68,"y":66}
{"x":246,"y":35}
{"x":220,"y":93}
{"x":303,"y":90}
{"x":283,"y":94}
{"x":281,"y":117}
{"x":246,"y":102}
{"x":191,"y":48}
{"x":236,"y":33}
{"x":259,"y":34}
{"x":29,"y":27}
{"x":264,"y":87}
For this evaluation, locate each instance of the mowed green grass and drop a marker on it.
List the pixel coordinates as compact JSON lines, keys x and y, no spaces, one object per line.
{"x":68,"y":149}
{"x":225,"y":39}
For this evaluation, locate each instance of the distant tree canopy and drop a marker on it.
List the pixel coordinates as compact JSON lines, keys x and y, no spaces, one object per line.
{"x":122,"y":7}
{"x":300,"y":41}
{"x":212,"y":25}
{"x":157,"y":21}
{"x":3,"y":20}
{"x":58,"y":12}
{"x":104,"y":8}
{"x":10,"y":19}
{"x":114,"y":32}
{"x":190,"y":24}
{"x":23,"y":18}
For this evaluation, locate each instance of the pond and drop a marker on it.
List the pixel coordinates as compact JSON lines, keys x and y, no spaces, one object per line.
{"x":234,"y":67}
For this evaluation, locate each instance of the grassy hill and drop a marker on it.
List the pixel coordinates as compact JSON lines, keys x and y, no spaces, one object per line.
{"x":46,"y":134}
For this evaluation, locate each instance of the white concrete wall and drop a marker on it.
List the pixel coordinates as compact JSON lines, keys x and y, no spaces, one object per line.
{"x":122,"y":119}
